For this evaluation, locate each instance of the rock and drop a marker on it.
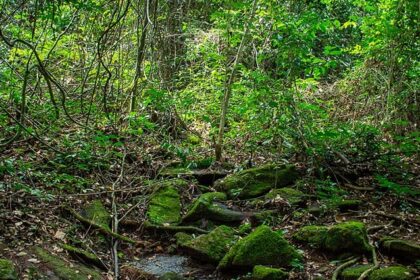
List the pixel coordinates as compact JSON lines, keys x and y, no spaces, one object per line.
{"x":63,"y":269}
{"x":292,"y":196}
{"x":257,"y":181}
{"x":165,"y":203}
{"x":97,"y":213}
{"x":353,"y":273}
{"x":204,"y":176}
{"x":314,"y":236}
{"x":171,"y":276}
{"x":392,"y":273}
{"x":261,"y":272}
{"x":347,"y":204}
{"x":7,"y":270}
{"x":182,"y":238}
{"x":206,"y":207}
{"x":261,"y":247}
{"x":88,"y":258}
{"x":264,"y":217}
{"x":209,"y":247}
{"x":405,"y":250}
{"x":341,"y":238}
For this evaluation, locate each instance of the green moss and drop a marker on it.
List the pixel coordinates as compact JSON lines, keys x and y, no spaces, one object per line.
{"x":392,"y":273}
{"x":171,"y":276}
{"x":349,"y":236}
{"x":212,"y":246}
{"x":165,"y":204}
{"x":206,"y":207}
{"x":293,"y":196}
{"x":312,"y":235}
{"x":7,"y":270}
{"x":261,"y":247}
{"x":353,"y":273}
{"x":402,"y":249}
{"x":257,"y":181}
{"x":261,"y":272}
{"x":182,"y":238}
{"x":65,"y":270}
{"x":344,"y":237}
{"x":346,"y":204}
{"x":97,"y":213}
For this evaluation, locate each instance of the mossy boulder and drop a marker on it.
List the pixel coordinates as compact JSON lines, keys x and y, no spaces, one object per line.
{"x":346,"y":204}
{"x":165,"y":203}
{"x":7,"y":270}
{"x":402,"y":249}
{"x":353,"y":273}
{"x":292,"y":196}
{"x":182,"y":238}
{"x":171,"y":276}
{"x":206,"y":206}
{"x":341,"y":238}
{"x":210,"y":247}
{"x":314,"y":236}
{"x":261,"y":272}
{"x":261,"y":247}
{"x":257,"y":181}
{"x":97,"y":214}
{"x":392,"y":273}
{"x":65,"y":270}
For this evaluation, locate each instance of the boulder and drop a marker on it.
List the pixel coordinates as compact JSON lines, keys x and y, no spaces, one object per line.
{"x":97,"y":214}
{"x":291,"y":196}
{"x":206,"y":206}
{"x":7,"y":270}
{"x":257,"y":181}
{"x":341,"y":238}
{"x":353,"y":273}
{"x":345,"y":205}
{"x":204,"y":176}
{"x":261,"y":272}
{"x":165,"y":203}
{"x":209,"y":247}
{"x":402,"y":249}
{"x":63,"y":269}
{"x":261,"y":247}
{"x":392,"y":273}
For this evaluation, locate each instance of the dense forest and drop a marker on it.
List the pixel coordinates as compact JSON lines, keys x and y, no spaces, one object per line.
{"x":209,"y":139}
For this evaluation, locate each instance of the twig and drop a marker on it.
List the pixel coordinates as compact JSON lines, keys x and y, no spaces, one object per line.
{"x":343,"y":266}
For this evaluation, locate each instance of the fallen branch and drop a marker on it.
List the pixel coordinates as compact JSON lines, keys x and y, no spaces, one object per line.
{"x":101,"y":228}
{"x":343,"y":266}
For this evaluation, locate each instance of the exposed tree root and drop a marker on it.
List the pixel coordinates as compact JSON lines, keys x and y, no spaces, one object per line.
{"x":343,"y":266}
{"x":366,"y":273}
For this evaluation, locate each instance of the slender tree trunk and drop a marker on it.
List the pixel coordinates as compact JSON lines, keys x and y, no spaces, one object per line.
{"x":228,"y":87}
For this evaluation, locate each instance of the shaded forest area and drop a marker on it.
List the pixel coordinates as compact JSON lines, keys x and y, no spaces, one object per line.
{"x":209,"y":139}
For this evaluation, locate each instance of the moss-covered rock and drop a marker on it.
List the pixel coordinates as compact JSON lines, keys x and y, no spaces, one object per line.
{"x":257,"y":181}
{"x":266,"y":217}
{"x":312,"y":235}
{"x":171,"y":276}
{"x":353,"y":273}
{"x":392,"y":273}
{"x":261,"y":247}
{"x":206,"y":206}
{"x":402,"y":249}
{"x":345,"y":204}
{"x":97,"y":213}
{"x":210,"y":247}
{"x":341,"y":238}
{"x":165,"y":203}
{"x":261,"y":272}
{"x":65,"y":270}
{"x":7,"y":270}
{"x":182,"y":238}
{"x":86,"y":257}
{"x":292,"y":196}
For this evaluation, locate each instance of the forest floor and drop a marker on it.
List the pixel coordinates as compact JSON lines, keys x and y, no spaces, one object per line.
{"x":30,"y":221}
